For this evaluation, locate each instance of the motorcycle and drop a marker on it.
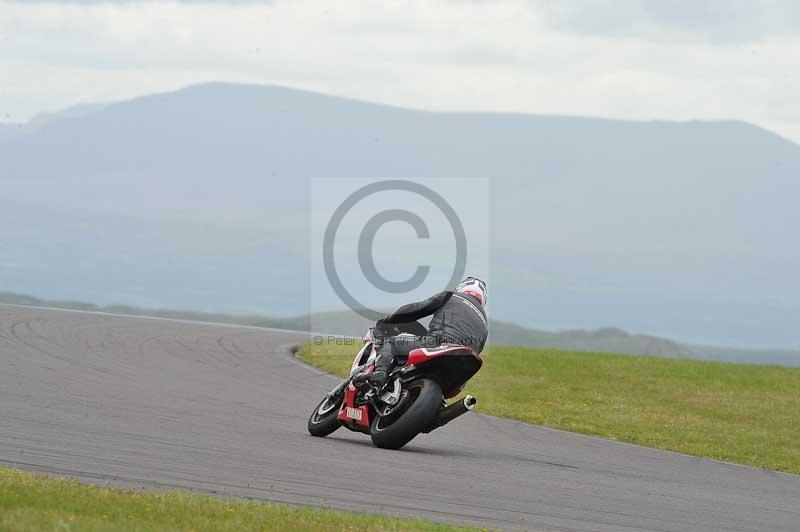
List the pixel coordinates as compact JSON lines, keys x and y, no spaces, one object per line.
{"x":411,"y":402}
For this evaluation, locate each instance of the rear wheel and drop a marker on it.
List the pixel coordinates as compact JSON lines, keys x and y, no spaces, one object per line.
{"x":323,"y":419}
{"x":419,"y":403}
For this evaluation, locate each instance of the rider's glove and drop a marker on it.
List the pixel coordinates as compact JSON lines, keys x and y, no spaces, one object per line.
{"x":387,"y":329}
{"x":382,"y":327}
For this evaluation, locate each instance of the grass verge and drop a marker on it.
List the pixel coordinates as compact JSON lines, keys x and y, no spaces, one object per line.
{"x":740,"y":413}
{"x":31,"y":502}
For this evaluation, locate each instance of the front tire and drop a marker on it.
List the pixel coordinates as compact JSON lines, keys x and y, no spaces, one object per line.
{"x":397,"y":429}
{"x":323,"y":420}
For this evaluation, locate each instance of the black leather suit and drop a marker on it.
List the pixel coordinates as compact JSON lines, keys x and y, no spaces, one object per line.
{"x":457,"y":319}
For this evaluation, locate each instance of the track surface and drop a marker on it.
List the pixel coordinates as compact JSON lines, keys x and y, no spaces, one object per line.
{"x":160,"y":403}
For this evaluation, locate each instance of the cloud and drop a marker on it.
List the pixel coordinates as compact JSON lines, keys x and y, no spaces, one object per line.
{"x":520,"y":55}
{"x":122,"y":2}
{"x":716,"y":21}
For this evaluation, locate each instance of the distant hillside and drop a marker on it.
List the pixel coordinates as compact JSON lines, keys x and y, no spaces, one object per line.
{"x":609,"y":340}
{"x":9,"y":130}
{"x":200,"y":198}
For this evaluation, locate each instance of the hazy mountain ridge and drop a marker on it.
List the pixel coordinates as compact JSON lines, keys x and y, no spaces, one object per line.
{"x":15,"y":129}
{"x":677,"y":229}
{"x":608,"y":340}
{"x":9,"y":130}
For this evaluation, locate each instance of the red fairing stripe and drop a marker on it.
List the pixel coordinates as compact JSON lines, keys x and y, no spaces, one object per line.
{"x":421,"y":354}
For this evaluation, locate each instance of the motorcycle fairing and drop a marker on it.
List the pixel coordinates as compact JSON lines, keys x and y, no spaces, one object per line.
{"x":355,"y":417}
{"x":451,"y":365}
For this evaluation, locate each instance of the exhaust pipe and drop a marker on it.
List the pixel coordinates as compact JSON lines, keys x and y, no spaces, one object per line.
{"x":448,"y":414}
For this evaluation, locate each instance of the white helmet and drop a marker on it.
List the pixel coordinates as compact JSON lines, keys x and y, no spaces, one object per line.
{"x":474,"y":287}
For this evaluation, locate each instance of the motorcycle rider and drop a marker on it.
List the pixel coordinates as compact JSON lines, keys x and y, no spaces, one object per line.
{"x":458,"y":318}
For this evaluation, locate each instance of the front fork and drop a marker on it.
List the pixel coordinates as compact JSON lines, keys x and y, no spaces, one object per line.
{"x":381,"y":400}
{"x":338,"y":389}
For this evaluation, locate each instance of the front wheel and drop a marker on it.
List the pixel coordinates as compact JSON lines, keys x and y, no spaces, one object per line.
{"x":323,"y":420}
{"x":419,"y":403}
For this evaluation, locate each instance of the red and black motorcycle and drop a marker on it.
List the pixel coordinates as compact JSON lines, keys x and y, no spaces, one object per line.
{"x":412,"y":401}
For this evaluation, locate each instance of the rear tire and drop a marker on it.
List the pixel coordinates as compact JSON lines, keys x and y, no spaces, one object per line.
{"x":390,"y":433}
{"x":323,"y":420}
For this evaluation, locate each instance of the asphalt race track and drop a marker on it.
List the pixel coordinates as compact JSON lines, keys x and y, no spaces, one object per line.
{"x":154,"y":403}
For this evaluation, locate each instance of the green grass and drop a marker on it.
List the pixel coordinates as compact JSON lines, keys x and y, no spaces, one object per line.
{"x":740,"y":413}
{"x":35,"y":503}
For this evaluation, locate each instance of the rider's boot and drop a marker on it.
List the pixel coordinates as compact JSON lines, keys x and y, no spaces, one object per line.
{"x":379,"y":375}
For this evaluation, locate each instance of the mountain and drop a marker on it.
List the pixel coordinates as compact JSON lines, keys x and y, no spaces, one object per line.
{"x":200,"y":198}
{"x":75,"y":111}
{"x":9,"y":130}
{"x":609,"y":340}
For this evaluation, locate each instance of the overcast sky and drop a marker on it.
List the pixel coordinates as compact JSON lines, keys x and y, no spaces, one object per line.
{"x":639,"y":59}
